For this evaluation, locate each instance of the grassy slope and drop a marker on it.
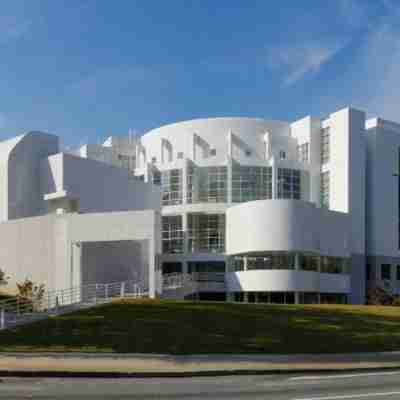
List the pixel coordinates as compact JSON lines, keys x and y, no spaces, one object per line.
{"x":189,"y":327}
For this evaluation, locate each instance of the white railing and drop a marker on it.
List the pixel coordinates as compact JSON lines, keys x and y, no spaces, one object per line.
{"x":194,"y":282}
{"x":19,"y":310}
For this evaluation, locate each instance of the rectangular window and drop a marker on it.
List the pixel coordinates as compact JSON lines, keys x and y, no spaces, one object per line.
{"x":206,"y":233}
{"x":302,"y":152}
{"x":156,"y":177}
{"x":289,"y":185}
{"x":172,"y":234}
{"x":368,"y":272}
{"x":251,"y":183}
{"x":171,"y":183}
{"x":213,"y":184}
{"x":325,"y":145}
{"x":325,"y":181}
{"x":385,"y":272}
{"x":398,"y":272}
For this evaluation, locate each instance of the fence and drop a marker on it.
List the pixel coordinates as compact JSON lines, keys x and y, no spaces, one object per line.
{"x":18,"y":310}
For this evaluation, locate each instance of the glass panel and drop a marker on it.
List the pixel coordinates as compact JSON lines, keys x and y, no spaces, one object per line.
{"x":172,"y":234}
{"x":289,"y":183}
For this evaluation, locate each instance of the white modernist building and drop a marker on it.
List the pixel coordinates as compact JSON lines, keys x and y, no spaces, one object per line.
{"x":260,"y":210}
{"x":67,"y":221}
{"x":238,"y":209}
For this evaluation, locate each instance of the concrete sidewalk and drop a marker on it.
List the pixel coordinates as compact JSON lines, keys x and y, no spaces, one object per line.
{"x":142,"y":365}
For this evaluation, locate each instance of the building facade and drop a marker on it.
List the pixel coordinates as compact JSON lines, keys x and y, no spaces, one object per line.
{"x":67,"y":221}
{"x":237,"y":209}
{"x":283,"y":212}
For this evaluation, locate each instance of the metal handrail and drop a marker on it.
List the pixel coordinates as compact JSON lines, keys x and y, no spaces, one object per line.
{"x":19,"y":310}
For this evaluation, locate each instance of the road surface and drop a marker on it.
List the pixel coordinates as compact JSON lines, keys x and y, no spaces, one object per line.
{"x":366,"y":386}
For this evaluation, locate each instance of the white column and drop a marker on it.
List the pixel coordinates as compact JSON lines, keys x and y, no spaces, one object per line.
{"x":245,"y":297}
{"x":245,"y":263}
{"x":229,"y":180}
{"x":297,"y":261}
{"x":296,"y":298}
{"x":185,"y":232}
{"x":184,"y":181}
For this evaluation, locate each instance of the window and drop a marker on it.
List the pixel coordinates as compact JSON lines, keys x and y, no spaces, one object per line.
{"x":156,"y":177}
{"x":368,"y":272}
{"x":325,"y":182}
{"x":213,"y":184}
{"x":385,"y":272}
{"x":154,"y":160}
{"x":332,"y":265}
{"x":248,"y":153}
{"x":213,"y":152}
{"x":398,"y":272}
{"x":282,"y":155}
{"x":302,"y":152}
{"x":171,"y":267}
{"x":251,"y":183}
{"x":180,"y":155}
{"x":325,"y":145}
{"x":289,"y":184}
{"x":206,"y":233}
{"x":171,"y":183}
{"x":309,"y":262}
{"x":172,"y":234}
{"x":123,"y":161}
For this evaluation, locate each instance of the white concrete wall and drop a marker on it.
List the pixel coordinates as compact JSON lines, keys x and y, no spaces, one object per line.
{"x":99,"y":187}
{"x":248,"y":133}
{"x":286,"y":225}
{"x":347,"y":171}
{"x":46,"y":249}
{"x":382,"y":191}
{"x":20,"y":181}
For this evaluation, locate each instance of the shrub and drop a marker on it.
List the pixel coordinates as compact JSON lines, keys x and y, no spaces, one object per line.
{"x":30,"y":294}
{"x":379,"y":297}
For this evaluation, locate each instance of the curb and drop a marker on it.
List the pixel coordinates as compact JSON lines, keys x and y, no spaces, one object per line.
{"x":188,"y":374}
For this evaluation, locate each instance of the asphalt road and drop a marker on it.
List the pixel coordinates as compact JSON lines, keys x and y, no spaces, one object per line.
{"x":380,"y":386}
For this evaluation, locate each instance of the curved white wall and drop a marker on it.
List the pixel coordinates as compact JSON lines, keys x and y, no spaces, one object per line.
{"x":286,"y":281}
{"x":214,"y":132}
{"x":285,"y":225}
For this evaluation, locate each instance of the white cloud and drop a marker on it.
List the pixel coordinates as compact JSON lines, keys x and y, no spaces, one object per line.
{"x":302,"y":60}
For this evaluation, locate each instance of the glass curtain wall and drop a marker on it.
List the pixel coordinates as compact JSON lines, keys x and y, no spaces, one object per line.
{"x":213,"y":184}
{"x":171,"y":183}
{"x":172,"y":234}
{"x":251,"y":183}
{"x":289,"y":183}
{"x":206,"y":233}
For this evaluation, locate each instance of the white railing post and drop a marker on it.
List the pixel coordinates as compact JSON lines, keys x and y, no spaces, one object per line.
{"x":2,"y":319}
{"x":106,"y":291}
{"x":95,"y":294}
{"x":122,"y":294}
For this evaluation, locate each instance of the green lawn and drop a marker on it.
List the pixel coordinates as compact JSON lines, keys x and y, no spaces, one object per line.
{"x":188,"y":327}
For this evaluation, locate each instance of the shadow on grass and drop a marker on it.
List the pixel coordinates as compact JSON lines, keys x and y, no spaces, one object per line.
{"x":199,"y":328}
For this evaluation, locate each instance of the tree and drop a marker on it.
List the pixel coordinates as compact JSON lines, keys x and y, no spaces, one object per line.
{"x":31,"y":294}
{"x":379,"y":296}
{"x":3,"y":277}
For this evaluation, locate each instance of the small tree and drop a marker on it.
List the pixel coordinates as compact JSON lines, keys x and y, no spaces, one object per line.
{"x":31,"y":293}
{"x":3,"y":277}
{"x":379,"y":296}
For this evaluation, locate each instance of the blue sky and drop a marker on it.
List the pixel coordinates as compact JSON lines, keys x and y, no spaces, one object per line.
{"x":90,"y":68}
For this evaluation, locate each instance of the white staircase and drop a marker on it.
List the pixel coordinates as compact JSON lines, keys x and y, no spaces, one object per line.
{"x":18,"y":311}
